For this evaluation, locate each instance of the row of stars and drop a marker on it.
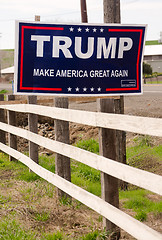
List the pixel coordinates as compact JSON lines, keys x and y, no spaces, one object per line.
{"x":77,"y":89}
{"x":86,"y":29}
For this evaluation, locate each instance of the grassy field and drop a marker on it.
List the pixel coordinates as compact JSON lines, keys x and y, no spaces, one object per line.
{"x":152,"y":42}
{"x":29,"y":208}
{"x":7,"y":58}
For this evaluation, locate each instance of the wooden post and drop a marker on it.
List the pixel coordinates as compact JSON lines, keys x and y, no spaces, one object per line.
{"x":33,"y":127}
{"x":62,"y":163}
{"x":121,"y":139}
{"x":83,"y":11}
{"x":108,"y":148}
{"x":33,"y":123}
{"x":2,"y":119}
{"x":111,"y":141}
{"x":37,"y":18}
{"x":111,"y":11}
{"x":12,"y":139}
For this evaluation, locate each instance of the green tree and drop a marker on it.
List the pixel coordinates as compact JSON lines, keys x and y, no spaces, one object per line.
{"x":147,"y":69}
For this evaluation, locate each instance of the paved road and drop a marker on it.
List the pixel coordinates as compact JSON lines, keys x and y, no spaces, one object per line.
{"x":155,"y":89}
{"x":149,"y":104}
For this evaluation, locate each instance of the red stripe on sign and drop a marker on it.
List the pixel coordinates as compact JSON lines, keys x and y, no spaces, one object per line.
{"x":138,"y":57}
{"x":39,"y":88}
{"x":119,"y":89}
{"x":43,"y":28}
{"x":22,"y":57}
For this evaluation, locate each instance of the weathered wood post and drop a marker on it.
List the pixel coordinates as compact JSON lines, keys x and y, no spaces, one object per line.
{"x":108,"y":146}
{"x":84,"y":15}
{"x":112,"y":142}
{"x":62,"y":163}
{"x":33,"y":123}
{"x":2,"y":119}
{"x":33,"y":127}
{"x":12,"y":139}
{"x":121,"y":138}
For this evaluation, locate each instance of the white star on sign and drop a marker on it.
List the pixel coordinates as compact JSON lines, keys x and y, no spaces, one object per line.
{"x":92,"y":89}
{"x":84,"y":89}
{"x":79,"y":29}
{"x":87,"y":29}
{"x":69,"y":89}
{"x":99,"y":89}
{"x":101,"y":29}
{"x":94,"y":29}
{"x":71,"y":29}
{"x":77,"y":89}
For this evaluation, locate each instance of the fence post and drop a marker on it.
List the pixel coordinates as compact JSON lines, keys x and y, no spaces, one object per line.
{"x":62,"y":163}
{"x":2,"y":119}
{"x":12,"y":139}
{"x":121,"y":139}
{"x":33,"y":124}
{"x":108,"y":148}
{"x":33,"y":127}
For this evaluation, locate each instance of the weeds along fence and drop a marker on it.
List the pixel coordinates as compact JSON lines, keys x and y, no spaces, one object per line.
{"x":143,"y":179}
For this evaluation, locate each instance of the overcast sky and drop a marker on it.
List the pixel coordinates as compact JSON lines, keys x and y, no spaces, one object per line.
{"x":132,"y":12}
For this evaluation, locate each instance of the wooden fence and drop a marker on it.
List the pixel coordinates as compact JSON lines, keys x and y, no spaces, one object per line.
{"x":143,"y":179}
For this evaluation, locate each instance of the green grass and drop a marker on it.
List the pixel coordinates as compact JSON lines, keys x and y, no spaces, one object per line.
{"x":154,"y":82}
{"x":43,"y":216}
{"x":21,"y":172}
{"x":152,"y":42}
{"x":153,"y":78}
{"x":93,"y":235}
{"x":83,"y":175}
{"x":138,"y":201}
{"x":55,"y":236}
{"x":144,"y":144}
{"x":86,"y":177}
{"x":11,"y":230}
{"x":3,"y":91}
{"x":96,"y":235}
{"x":3,"y":200}
{"x":90,"y":145}
{"x":46,"y":162}
{"x":9,"y":50}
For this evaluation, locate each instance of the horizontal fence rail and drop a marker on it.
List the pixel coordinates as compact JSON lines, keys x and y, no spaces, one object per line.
{"x":105,"y":209}
{"x":141,"y":178}
{"x":124,"y":172}
{"x":141,"y":125}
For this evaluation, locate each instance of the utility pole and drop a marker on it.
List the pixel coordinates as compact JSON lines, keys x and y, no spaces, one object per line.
{"x":111,"y":142}
{"x":112,"y":15}
{"x":33,"y":124}
{"x":83,"y":6}
{"x":0,"y":56}
{"x":111,"y":11}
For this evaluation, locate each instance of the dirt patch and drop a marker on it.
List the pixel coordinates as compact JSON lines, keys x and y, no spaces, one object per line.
{"x":146,"y":162}
{"x":39,"y":212}
{"x":6,"y":174}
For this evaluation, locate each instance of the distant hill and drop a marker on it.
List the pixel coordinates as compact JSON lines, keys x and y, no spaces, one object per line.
{"x":7,"y":58}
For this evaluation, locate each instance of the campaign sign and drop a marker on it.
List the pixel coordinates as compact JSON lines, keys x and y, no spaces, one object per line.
{"x":78,"y":59}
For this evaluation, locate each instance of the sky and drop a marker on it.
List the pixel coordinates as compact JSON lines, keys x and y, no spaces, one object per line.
{"x":132,"y":12}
